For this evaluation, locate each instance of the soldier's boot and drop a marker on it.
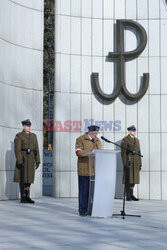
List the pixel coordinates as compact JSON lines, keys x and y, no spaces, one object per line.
{"x":22,"y":195}
{"x":28,"y":199}
{"x":23,"y":199}
{"x":132,"y":196}
{"x":128,"y":197}
{"x":128,"y":194}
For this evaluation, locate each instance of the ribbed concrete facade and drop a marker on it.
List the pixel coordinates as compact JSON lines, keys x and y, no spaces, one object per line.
{"x":21,"y":84}
{"x":85,"y":33}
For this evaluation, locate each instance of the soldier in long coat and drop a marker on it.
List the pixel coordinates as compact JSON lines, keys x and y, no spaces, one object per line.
{"x":132,"y":162}
{"x":85,"y":144}
{"x":27,"y":160}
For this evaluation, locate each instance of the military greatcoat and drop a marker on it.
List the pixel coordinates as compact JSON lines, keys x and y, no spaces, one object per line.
{"x":133,"y":161}
{"x":86,"y":145}
{"x":23,"y":141}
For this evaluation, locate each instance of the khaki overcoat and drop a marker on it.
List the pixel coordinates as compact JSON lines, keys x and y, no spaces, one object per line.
{"x":25,"y":140}
{"x":86,"y":145}
{"x":134,"y":161}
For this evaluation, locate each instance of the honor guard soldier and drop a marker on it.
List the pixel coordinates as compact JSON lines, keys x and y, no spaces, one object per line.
{"x":27,"y":160}
{"x":132,"y":162}
{"x":85,"y":144}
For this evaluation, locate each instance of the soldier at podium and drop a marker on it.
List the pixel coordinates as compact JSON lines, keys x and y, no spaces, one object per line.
{"x":132,"y":162}
{"x":85,"y":144}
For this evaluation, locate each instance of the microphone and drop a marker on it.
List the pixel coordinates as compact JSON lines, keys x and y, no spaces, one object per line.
{"x":104,"y":139}
{"x":130,"y":151}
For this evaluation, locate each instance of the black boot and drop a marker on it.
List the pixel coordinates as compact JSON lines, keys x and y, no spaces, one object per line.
{"x":28,"y":199}
{"x":23,"y":199}
{"x":22,"y":195}
{"x":128,"y":195}
{"x":132,"y":196}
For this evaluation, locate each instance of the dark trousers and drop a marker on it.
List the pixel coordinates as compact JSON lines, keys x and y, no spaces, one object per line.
{"x":83,"y":185}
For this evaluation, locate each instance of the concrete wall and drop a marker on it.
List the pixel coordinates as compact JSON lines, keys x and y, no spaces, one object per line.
{"x":21,"y":84}
{"x":84,"y":36}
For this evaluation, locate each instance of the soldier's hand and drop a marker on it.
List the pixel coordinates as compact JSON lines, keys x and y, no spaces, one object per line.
{"x":140,"y":167}
{"x":19,"y":166}
{"x":37,"y":165}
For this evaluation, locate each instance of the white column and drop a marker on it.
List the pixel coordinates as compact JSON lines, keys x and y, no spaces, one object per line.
{"x":21,"y":84}
{"x":84,"y":36}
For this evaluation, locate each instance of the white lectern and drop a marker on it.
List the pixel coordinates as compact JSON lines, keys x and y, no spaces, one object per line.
{"x":102,"y":167}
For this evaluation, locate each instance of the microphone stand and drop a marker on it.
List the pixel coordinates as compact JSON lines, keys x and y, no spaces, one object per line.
{"x":127,"y":150}
{"x":123,"y":214}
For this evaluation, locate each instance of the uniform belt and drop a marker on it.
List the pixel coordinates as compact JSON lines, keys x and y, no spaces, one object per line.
{"x":28,"y":150}
{"x":135,"y":151}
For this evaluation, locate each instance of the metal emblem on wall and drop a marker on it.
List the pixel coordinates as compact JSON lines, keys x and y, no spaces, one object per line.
{"x":120,"y":57}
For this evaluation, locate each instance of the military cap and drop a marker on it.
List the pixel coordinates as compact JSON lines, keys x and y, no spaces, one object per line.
{"x":26,"y":122}
{"x":93,"y":128}
{"x":131,"y":128}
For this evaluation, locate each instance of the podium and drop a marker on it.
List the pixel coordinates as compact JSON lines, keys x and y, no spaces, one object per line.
{"x":102,"y":171}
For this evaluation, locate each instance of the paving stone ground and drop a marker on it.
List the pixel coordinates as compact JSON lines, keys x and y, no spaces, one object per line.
{"x":54,"y":224}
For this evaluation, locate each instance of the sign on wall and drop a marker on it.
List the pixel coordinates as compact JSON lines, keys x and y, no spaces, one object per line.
{"x":120,"y":56}
{"x":47,"y":172}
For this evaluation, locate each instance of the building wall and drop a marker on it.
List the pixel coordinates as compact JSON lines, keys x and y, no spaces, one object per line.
{"x":85,"y":34}
{"x":21,"y":84}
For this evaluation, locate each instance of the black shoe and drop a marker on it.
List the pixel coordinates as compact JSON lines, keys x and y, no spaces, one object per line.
{"x":128,"y":198}
{"x":83,"y":213}
{"x":23,"y":200}
{"x":128,"y":195}
{"x":132,"y":196}
{"x":28,"y":199}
